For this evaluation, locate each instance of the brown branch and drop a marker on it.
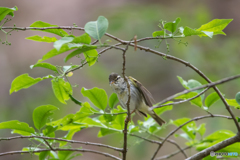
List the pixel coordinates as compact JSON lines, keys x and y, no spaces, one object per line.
{"x":216,"y":147}
{"x":173,"y":154}
{"x":128,"y":105}
{"x":171,"y":141}
{"x":65,"y":140}
{"x":61,"y":149}
{"x":179,"y":102}
{"x":179,"y":127}
{"x":212,"y":84}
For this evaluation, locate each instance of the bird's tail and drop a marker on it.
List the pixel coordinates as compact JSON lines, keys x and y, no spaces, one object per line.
{"x":159,"y":120}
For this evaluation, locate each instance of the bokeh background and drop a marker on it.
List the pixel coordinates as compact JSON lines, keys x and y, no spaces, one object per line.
{"x":217,"y":58}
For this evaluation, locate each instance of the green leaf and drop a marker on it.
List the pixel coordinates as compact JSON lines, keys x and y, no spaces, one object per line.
{"x":25,"y":81}
{"x":84,"y":38}
{"x":41,"y":24}
{"x":69,"y":136}
{"x":105,"y":131}
{"x":216,"y":26}
{"x":211,"y":99}
{"x":7,"y":11}
{"x":17,"y":126}
{"x":41,"y":115}
{"x":83,"y":48}
{"x":190,"y":32}
{"x":161,"y":110}
{"x":188,"y":128}
{"x":97,"y":29}
{"x":91,"y":56}
{"x":42,"y":39}
{"x":220,"y":134}
{"x":159,"y":33}
{"x":64,"y":155}
{"x":49,"y":130}
{"x":172,"y":26}
{"x":201,"y":129}
{"x":43,"y":155}
{"x":97,"y":96}
{"x":113,"y":100}
{"x":109,"y":117}
{"x":61,"y":89}
{"x":233,"y":103}
{"x":58,"y":44}
{"x":45,"y":65}
{"x":237,"y":97}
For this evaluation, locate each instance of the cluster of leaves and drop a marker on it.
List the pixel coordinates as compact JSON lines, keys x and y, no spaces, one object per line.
{"x":102,"y":112}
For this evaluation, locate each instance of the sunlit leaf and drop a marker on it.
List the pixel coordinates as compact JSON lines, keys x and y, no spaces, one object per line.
{"x":233,"y":103}
{"x":18,"y":126}
{"x":91,"y":56}
{"x":211,"y":99}
{"x":188,"y":128}
{"x":113,"y":100}
{"x":45,"y":65}
{"x":41,"y":115}
{"x":4,"y":11}
{"x":172,"y":26}
{"x":61,"y":89}
{"x":42,"y":39}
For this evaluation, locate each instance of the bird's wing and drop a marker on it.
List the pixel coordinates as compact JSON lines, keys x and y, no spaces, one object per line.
{"x":149,"y":100}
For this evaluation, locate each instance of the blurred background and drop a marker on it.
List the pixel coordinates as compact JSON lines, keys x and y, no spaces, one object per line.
{"x":217,"y":58}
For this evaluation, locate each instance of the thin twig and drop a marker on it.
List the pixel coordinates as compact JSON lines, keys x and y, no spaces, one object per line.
{"x":61,"y":149}
{"x":128,"y":105}
{"x":212,"y":84}
{"x":173,"y":154}
{"x":65,"y":140}
{"x":179,"y":127}
{"x":173,"y":142}
{"x":148,"y":140}
{"x":179,"y":102}
{"x":48,"y":144}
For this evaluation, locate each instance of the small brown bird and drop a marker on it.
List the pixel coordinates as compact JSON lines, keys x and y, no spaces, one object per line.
{"x":141,"y":99}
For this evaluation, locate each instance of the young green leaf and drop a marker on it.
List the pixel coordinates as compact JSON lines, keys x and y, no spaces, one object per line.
{"x":7,"y":11}
{"x":45,"y":65}
{"x":106,"y":131}
{"x":201,"y":129}
{"x":233,"y":103}
{"x":58,"y":44}
{"x":188,"y":128}
{"x":61,"y":89}
{"x":41,"y":115}
{"x":97,"y":29}
{"x":43,"y":155}
{"x":41,"y":24}
{"x":69,"y":136}
{"x":159,"y":33}
{"x":25,"y":81}
{"x":211,"y":98}
{"x":113,"y":100}
{"x":172,"y":26}
{"x":42,"y":39}
{"x":190,"y":32}
{"x":20,"y":127}
{"x":83,"y":48}
{"x":49,"y":130}
{"x":237,"y":97}
{"x":64,"y":155}
{"x":91,"y":56}
{"x":97,"y":96}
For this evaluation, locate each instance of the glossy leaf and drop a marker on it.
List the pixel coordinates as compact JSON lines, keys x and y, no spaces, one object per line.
{"x":61,"y":89}
{"x":45,"y":65}
{"x":233,"y":103}
{"x":42,"y":39}
{"x":42,"y":24}
{"x":172,"y":26}
{"x":211,"y":99}
{"x":113,"y":100}
{"x":190,"y":32}
{"x":18,"y":126}
{"x":4,"y":11}
{"x":41,"y":115}
{"x":83,"y":48}
{"x":97,"y":96}
{"x":97,"y":29}
{"x":91,"y":56}
{"x":25,"y":81}
{"x":237,"y":97}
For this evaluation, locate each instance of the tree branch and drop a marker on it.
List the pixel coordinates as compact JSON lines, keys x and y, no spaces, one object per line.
{"x":70,"y":141}
{"x":148,"y":140}
{"x":61,"y":149}
{"x":194,"y":119}
{"x":216,"y":147}
{"x":125,"y":130}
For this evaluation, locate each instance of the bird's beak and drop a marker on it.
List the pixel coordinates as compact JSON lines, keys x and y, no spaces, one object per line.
{"x":111,"y":82}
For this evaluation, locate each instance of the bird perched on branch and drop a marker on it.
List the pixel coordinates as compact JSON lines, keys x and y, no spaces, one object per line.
{"x":140,"y":98}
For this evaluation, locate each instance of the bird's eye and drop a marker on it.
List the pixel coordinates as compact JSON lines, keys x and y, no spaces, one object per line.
{"x":117,"y":78}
